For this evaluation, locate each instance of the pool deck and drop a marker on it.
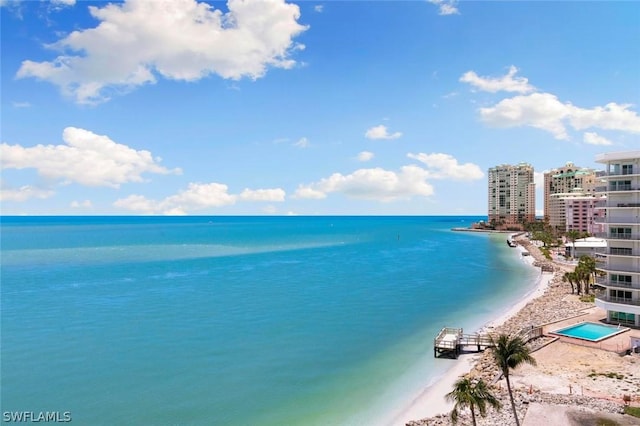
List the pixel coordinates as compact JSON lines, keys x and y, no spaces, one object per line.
{"x":616,"y":343}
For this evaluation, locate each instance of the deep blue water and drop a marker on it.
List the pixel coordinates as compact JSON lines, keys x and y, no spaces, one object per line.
{"x":239,"y":320}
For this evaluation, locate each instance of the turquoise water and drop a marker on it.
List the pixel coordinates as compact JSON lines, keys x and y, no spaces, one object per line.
{"x":589,"y":331}
{"x":239,"y":320}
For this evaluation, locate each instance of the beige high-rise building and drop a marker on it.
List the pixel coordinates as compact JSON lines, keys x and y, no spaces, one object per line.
{"x":565,"y":182}
{"x":512,"y":198}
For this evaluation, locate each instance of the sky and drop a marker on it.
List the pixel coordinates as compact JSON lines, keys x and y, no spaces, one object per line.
{"x":186,"y":107}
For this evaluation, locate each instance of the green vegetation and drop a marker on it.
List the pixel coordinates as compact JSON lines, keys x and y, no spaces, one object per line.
{"x":509,"y":352}
{"x":588,"y":298}
{"x":471,"y":394}
{"x":583,"y":277}
{"x":609,"y":374}
{"x":632,"y":411}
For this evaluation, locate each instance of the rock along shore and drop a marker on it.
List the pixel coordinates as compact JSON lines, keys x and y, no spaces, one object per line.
{"x":555,"y":304}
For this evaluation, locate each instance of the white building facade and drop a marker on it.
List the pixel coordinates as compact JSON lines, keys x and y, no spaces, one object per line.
{"x":621,"y":229}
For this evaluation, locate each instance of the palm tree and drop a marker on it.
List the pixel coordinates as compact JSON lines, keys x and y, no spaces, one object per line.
{"x":509,"y":352}
{"x":569,"y":277}
{"x":472,"y":394}
{"x":572,"y":235}
{"x":587,"y":267}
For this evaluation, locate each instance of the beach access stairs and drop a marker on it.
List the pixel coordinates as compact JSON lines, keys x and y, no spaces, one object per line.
{"x":453,"y":341}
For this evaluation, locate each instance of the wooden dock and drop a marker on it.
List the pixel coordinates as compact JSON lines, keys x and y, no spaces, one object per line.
{"x":453,"y":341}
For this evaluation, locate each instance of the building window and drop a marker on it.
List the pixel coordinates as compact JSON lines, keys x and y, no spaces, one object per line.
{"x":623,"y":318}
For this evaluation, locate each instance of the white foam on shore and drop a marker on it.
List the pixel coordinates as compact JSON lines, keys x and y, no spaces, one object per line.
{"x":431,"y":401}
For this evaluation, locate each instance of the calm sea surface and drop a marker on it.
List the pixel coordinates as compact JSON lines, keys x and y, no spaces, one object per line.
{"x":239,"y":320}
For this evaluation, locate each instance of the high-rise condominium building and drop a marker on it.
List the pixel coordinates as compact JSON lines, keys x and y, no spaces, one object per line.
{"x":565,"y":182}
{"x":582,"y":214}
{"x":621,"y":297}
{"x":511,"y":195}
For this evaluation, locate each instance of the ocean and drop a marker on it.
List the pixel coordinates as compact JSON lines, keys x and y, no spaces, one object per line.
{"x":239,"y":320}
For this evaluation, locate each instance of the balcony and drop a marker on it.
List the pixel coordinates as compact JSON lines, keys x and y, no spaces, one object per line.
{"x":613,"y":269}
{"x":602,"y":295}
{"x":610,"y":236}
{"x":605,"y":281}
{"x":617,"y":188}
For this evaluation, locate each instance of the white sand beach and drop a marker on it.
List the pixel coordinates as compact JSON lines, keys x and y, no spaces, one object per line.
{"x":432,"y":401}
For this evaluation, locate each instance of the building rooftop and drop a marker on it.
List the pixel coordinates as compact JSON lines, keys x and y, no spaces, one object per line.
{"x":620,"y":155}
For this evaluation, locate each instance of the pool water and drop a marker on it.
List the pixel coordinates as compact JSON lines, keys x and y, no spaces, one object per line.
{"x":591,"y":331}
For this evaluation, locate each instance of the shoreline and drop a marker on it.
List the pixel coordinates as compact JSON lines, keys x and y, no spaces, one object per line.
{"x":431,"y":402}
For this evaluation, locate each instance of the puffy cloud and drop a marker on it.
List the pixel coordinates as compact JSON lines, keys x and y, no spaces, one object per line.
{"x":197,"y":196}
{"x":181,"y":40}
{"x":611,"y":117}
{"x":276,"y":194}
{"x":445,"y":166}
{"x":544,"y":111}
{"x":365,"y":156}
{"x":372,"y":184}
{"x":381,"y":132}
{"x":446,"y":7}
{"x":309,"y":193}
{"x":23,"y":193}
{"x":318,"y":8}
{"x":137,"y":203}
{"x":87,"y":158}
{"x":593,"y":138}
{"x":505,"y":83}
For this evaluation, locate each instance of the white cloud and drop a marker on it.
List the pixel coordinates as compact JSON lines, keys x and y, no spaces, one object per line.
{"x":372,"y":184}
{"x":505,"y":83}
{"x":21,"y":104}
{"x":181,"y":40}
{"x":445,"y":166}
{"x":63,"y":2}
{"x":24,"y":193}
{"x":381,"y":132}
{"x":137,"y":203}
{"x":318,"y":8}
{"x":276,"y":194}
{"x":593,"y":138}
{"x":611,"y":117}
{"x":365,"y":156}
{"x":197,"y":196}
{"x":308,"y":192}
{"x":86,"y":204}
{"x":538,"y":178}
{"x":87,"y":158}
{"x":302,"y":143}
{"x":446,"y":7}
{"x":544,"y":111}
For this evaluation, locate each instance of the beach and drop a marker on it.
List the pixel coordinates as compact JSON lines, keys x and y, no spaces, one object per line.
{"x":553,"y":383}
{"x":432,"y":401}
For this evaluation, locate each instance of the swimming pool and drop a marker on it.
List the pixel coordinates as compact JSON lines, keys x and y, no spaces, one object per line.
{"x":590,"y":331}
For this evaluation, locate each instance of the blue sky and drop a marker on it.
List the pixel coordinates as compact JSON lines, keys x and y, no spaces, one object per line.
{"x":308,"y":108}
